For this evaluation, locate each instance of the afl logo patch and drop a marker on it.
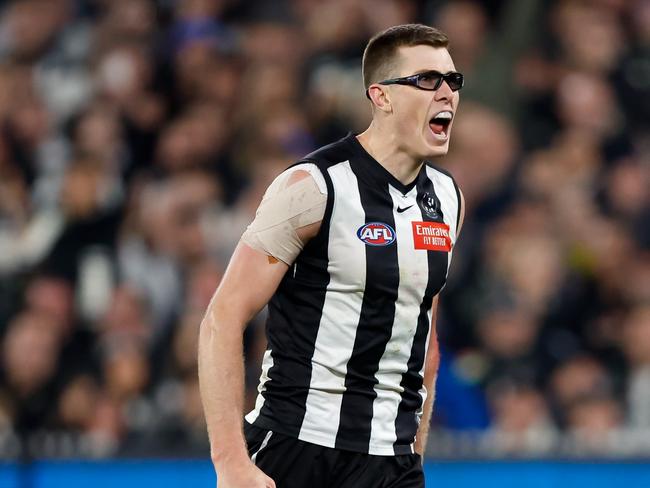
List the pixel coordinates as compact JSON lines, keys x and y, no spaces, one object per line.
{"x":376,"y":234}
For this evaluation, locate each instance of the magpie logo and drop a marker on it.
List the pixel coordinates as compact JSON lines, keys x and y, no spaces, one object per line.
{"x":429,"y":203}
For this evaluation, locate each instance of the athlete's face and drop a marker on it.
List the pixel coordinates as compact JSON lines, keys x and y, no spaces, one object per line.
{"x":413,"y":110}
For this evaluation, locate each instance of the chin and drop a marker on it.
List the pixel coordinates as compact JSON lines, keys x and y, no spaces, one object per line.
{"x":436,"y":151}
{"x":435,"y":146}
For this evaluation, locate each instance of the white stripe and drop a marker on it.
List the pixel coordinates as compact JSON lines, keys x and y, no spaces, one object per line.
{"x":446,"y":193}
{"x":267,"y":437}
{"x":267,"y":363}
{"x":413,"y":274}
{"x":342,"y":306}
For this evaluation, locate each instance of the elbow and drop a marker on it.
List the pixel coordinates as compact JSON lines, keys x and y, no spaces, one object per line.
{"x":221,"y":321}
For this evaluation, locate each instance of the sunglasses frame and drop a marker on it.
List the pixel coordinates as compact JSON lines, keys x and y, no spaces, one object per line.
{"x":413,"y":80}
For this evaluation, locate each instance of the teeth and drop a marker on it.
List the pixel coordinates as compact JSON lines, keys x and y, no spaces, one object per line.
{"x":444,"y":115}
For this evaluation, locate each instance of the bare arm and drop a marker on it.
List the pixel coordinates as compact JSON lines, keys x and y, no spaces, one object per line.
{"x":252,"y":277}
{"x":462,"y":213}
{"x":430,"y":374}
{"x":250,"y":280}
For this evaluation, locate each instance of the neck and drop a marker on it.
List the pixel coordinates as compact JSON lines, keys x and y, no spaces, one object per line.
{"x":383,"y":146}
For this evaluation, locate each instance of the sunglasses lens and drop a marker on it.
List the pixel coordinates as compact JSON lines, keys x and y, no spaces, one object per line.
{"x":455,"y":81}
{"x":433,"y":80}
{"x":429,"y":81}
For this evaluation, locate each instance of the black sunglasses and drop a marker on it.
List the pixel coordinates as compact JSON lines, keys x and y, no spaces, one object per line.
{"x":429,"y":80}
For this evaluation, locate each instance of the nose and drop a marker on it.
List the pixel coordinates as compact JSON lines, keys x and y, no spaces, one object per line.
{"x":444,"y":93}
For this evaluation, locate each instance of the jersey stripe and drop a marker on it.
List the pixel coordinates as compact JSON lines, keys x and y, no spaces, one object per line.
{"x":295,"y":311}
{"x":447,"y":189}
{"x":375,"y":321}
{"x":267,"y":363}
{"x":335,"y":340}
{"x":448,"y":197}
{"x":450,"y":179}
{"x":393,"y":364}
{"x":414,"y":394}
{"x":349,"y":324}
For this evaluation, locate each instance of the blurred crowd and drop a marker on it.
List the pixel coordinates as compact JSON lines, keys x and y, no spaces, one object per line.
{"x":137,"y":137}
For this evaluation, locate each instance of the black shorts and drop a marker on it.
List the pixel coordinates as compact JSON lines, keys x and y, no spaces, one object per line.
{"x":293,"y":463}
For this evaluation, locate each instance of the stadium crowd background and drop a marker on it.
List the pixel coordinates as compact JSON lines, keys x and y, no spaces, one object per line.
{"x":138,"y":136}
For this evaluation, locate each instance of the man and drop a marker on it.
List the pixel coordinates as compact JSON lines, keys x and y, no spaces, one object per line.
{"x":351,"y":246}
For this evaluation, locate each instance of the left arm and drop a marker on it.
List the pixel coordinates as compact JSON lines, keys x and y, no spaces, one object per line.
{"x":432,"y":361}
{"x":430,"y":374}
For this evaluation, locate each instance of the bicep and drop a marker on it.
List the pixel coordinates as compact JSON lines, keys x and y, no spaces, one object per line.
{"x":248,"y":284}
{"x":289,"y":215}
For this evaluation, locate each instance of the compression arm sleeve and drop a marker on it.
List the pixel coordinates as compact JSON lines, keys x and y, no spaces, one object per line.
{"x":291,"y":202}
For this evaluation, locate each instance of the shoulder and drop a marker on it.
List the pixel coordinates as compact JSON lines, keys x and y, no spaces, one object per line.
{"x":438,"y":169}
{"x":302,"y":170}
{"x":460,"y":198}
{"x":437,"y":173}
{"x":316,"y":163}
{"x":330,"y":154}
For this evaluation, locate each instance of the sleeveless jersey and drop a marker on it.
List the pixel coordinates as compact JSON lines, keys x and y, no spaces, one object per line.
{"x":349,"y":324}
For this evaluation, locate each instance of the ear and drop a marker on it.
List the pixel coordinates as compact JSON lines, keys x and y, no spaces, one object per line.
{"x":380,"y":98}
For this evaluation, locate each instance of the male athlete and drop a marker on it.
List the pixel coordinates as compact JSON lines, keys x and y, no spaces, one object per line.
{"x":349,"y":248}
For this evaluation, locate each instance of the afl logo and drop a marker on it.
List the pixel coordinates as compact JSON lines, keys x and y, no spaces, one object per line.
{"x":376,"y":234}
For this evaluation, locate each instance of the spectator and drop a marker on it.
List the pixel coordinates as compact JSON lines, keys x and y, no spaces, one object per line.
{"x":127,"y":176}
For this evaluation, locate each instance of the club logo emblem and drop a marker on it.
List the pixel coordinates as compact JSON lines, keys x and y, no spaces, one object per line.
{"x":430,"y":205}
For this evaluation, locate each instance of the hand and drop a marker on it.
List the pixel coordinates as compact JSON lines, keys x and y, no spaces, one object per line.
{"x":243,"y":475}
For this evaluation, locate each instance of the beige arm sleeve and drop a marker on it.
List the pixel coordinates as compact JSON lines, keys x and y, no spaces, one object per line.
{"x":296,"y":198}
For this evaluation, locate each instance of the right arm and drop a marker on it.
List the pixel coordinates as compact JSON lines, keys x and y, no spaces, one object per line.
{"x":249,"y":282}
{"x":285,"y":221}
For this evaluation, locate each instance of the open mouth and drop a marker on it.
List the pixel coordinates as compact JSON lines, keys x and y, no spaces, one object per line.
{"x":439,"y":123}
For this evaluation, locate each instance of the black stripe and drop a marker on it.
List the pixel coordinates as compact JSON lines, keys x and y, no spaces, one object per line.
{"x":375,"y":321}
{"x":322,"y":236}
{"x":406,"y":421}
{"x":295,"y":312}
{"x":453,"y":180}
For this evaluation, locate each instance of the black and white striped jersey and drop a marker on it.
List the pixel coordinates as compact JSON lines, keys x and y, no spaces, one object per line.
{"x":348,"y":327}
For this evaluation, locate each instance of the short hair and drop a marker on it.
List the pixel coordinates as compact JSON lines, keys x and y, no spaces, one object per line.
{"x":380,"y":55}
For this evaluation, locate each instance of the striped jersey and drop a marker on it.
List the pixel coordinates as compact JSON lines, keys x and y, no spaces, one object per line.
{"x":349,"y":324}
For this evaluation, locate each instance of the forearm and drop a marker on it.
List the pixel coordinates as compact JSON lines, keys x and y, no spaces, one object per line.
{"x":430,"y":375}
{"x":221,"y":365}
{"x":425,"y":421}
{"x":221,"y":379}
